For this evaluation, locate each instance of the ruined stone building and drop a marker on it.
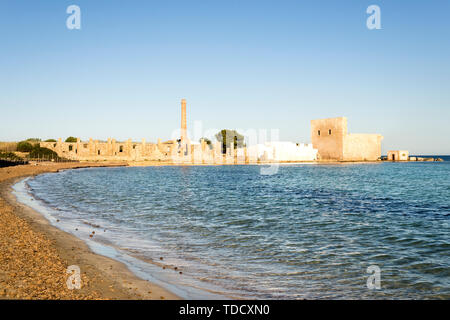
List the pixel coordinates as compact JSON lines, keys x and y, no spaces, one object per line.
{"x":331,"y":138}
{"x":330,"y":141}
{"x":95,"y":150}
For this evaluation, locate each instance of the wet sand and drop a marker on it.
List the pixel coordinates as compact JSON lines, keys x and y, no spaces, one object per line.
{"x":34,"y":255}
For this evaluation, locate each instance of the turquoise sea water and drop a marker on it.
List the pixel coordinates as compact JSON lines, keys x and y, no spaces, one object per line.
{"x":309,"y":231}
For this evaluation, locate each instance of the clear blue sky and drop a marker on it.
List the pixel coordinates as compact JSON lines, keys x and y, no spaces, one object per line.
{"x":239,"y":64}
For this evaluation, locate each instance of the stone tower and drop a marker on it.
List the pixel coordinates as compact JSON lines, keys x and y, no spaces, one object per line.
{"x":333,"y":142}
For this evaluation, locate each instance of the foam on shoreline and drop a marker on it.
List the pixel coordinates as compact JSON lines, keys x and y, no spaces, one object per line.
{"x":105,"y":278}
{"x":142,"y":269}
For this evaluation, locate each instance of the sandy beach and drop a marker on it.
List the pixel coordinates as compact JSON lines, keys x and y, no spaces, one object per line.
{"x":34,"y":255}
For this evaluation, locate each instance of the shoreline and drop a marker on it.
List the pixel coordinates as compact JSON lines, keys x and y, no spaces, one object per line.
{"x":34,"y":255}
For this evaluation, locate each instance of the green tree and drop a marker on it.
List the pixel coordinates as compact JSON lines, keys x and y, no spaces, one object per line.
{"x":71,"y":139}
{"x":43,"y":153}
{"x":24,"y":146}
{"x":226,"y":137}
{"x":50,"y":140}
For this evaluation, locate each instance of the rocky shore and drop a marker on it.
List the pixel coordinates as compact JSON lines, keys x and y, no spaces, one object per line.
{"x":34,"y":255}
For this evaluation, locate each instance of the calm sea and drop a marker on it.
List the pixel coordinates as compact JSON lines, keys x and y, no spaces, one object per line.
{"x":309,"y":231}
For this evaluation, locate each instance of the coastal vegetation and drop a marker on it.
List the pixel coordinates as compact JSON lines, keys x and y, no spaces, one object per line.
{"x":30,"y":149}
{"x":71,"y":139}
{"x":10,"y":159}
{"x":27,"y":145}
{"x":39,"y":152}
{"x":226,"y":137}
{"x":21,"y":146}
{"x":24,"y":146}
{"x":9,"y":156}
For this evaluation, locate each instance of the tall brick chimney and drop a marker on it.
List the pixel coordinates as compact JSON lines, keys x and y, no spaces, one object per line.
{"x":183,"y":120}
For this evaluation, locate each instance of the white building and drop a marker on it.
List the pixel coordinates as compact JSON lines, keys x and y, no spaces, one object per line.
{"x":398,"y":155}
{"x":283,"y":151}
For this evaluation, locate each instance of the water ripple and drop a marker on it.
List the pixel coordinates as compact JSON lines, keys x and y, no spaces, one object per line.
{"x":307,"y":232}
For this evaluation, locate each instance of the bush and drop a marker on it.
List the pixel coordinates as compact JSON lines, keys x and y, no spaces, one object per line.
{"x":24,"y":146}
{"x":45,"y":153}
{"x":71,"y":139}
{"x":50,"y":140}
{"x":33,"y":140}
{"x":9,"y":156}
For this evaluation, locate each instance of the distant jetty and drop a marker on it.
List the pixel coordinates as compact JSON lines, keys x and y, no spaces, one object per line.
{"x":425,"y":159}
{"x":403,"y":155}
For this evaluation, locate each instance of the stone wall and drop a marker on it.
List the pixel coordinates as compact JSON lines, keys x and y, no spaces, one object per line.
{"x":94,"y":150}
{"x":362,"y":147}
